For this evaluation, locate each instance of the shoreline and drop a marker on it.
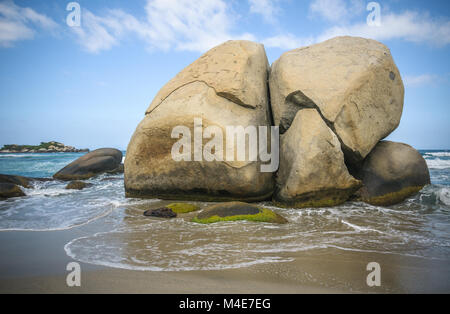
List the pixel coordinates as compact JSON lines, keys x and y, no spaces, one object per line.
{"x":35,"y":262}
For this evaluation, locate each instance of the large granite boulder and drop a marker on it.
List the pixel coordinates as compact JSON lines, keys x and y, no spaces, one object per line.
{"x":312,"y":170}
{"x":94,"y":163}
{"x":227,"y":86}
{"x":391,"y":173}
{"x":352,"y":82}
{"x":235,"y":211}
{"x":8,"y":190}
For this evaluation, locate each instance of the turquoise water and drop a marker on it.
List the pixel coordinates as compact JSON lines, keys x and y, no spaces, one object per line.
{"x":123,"y":238}
{"x":35,"y":165}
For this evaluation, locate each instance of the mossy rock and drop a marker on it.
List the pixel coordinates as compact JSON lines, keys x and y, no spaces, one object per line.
{"x":235,"y":211}
{"x":8,"y":190}
{"x":393,"y":197}
{"x":183,"y":208}
{"x":391,"y":173}
{"x":317,"y":199}
{"x":77,"y":185}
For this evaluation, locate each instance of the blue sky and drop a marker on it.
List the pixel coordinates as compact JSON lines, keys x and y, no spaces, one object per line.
{"x":89,"y":86}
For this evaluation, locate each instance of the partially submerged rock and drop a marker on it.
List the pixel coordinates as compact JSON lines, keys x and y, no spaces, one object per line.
{"x":352,"y":82}
{"x":391,"y":173}
{"x":234,"y":211}
{"x":312,"y":170}
{"x":77,"y":185}
{"x":94,"y":163}
{"x":160,"y":213}
{"x":17,"y":180}
{"x":8,"y":190}
{"x":227,"y":86}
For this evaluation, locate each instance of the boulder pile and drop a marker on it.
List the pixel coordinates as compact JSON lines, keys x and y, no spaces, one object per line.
{"x":331,"y":103}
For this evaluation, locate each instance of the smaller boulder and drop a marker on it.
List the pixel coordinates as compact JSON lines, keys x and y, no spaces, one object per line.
{"x":160,"y":213}
{"x":77,"y":185}
{"x":234,"y":211}
{"x":17,"y":180}
{"x":94,"y":163}
{"x":8,"y":190}
{"x":391,"y":173}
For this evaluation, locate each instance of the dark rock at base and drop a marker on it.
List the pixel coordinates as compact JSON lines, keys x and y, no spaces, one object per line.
{"x":391,"y":173}
{"x":111,"y":179}
{"x":8,"y":190}
{"x":21,"y":181}
{"x":94,"y":163}
{"x":17,"y":180}
{"x":119,"y":169}
{"x":233,"y":211}
{"x":161,"y":213}
{"x":77,"y":185}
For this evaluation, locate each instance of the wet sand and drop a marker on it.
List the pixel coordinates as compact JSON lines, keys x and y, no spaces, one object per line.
{"x":35,"y":262}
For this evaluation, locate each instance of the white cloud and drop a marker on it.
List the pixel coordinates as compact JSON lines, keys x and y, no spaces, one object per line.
{"x":418,"y":80}
{"x":169,"y":24}
{"x":199,"y":25}
{"x":337,"y":10}
{"x":16,"y":23}
{"x":268,"y":9}
{"x":287,"y":41}
{"x":94,"y":35}
{"x":408,"y":26}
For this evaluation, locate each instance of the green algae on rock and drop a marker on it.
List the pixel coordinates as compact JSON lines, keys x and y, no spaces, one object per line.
{"x":183,"y":208}
{"x":234,"y":211}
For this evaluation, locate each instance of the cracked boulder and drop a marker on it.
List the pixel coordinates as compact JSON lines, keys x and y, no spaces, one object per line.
{"x":227,"y":86}
{"x":312,"y":171}
{"x":352,"y":82}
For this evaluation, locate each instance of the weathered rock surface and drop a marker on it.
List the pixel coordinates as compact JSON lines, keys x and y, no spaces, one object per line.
{"x":312,"y":171}
{"x":353,"y":83}
{"x":226,"y":86}
{"x":8,"y":190}
{"x":391,"y":173}
{"x":234,"y":211}
{"x":77,"y":185}
{"x":94,"y":163}
{"x":160,"y":213}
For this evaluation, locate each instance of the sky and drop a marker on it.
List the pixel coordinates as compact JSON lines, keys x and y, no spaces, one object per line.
{"x":88,"y":86}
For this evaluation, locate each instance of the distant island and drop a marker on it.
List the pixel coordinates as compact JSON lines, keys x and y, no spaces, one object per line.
{"x":44,"y":147}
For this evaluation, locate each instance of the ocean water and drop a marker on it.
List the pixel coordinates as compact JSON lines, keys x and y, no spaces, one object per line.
{"x":124,"y":238}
